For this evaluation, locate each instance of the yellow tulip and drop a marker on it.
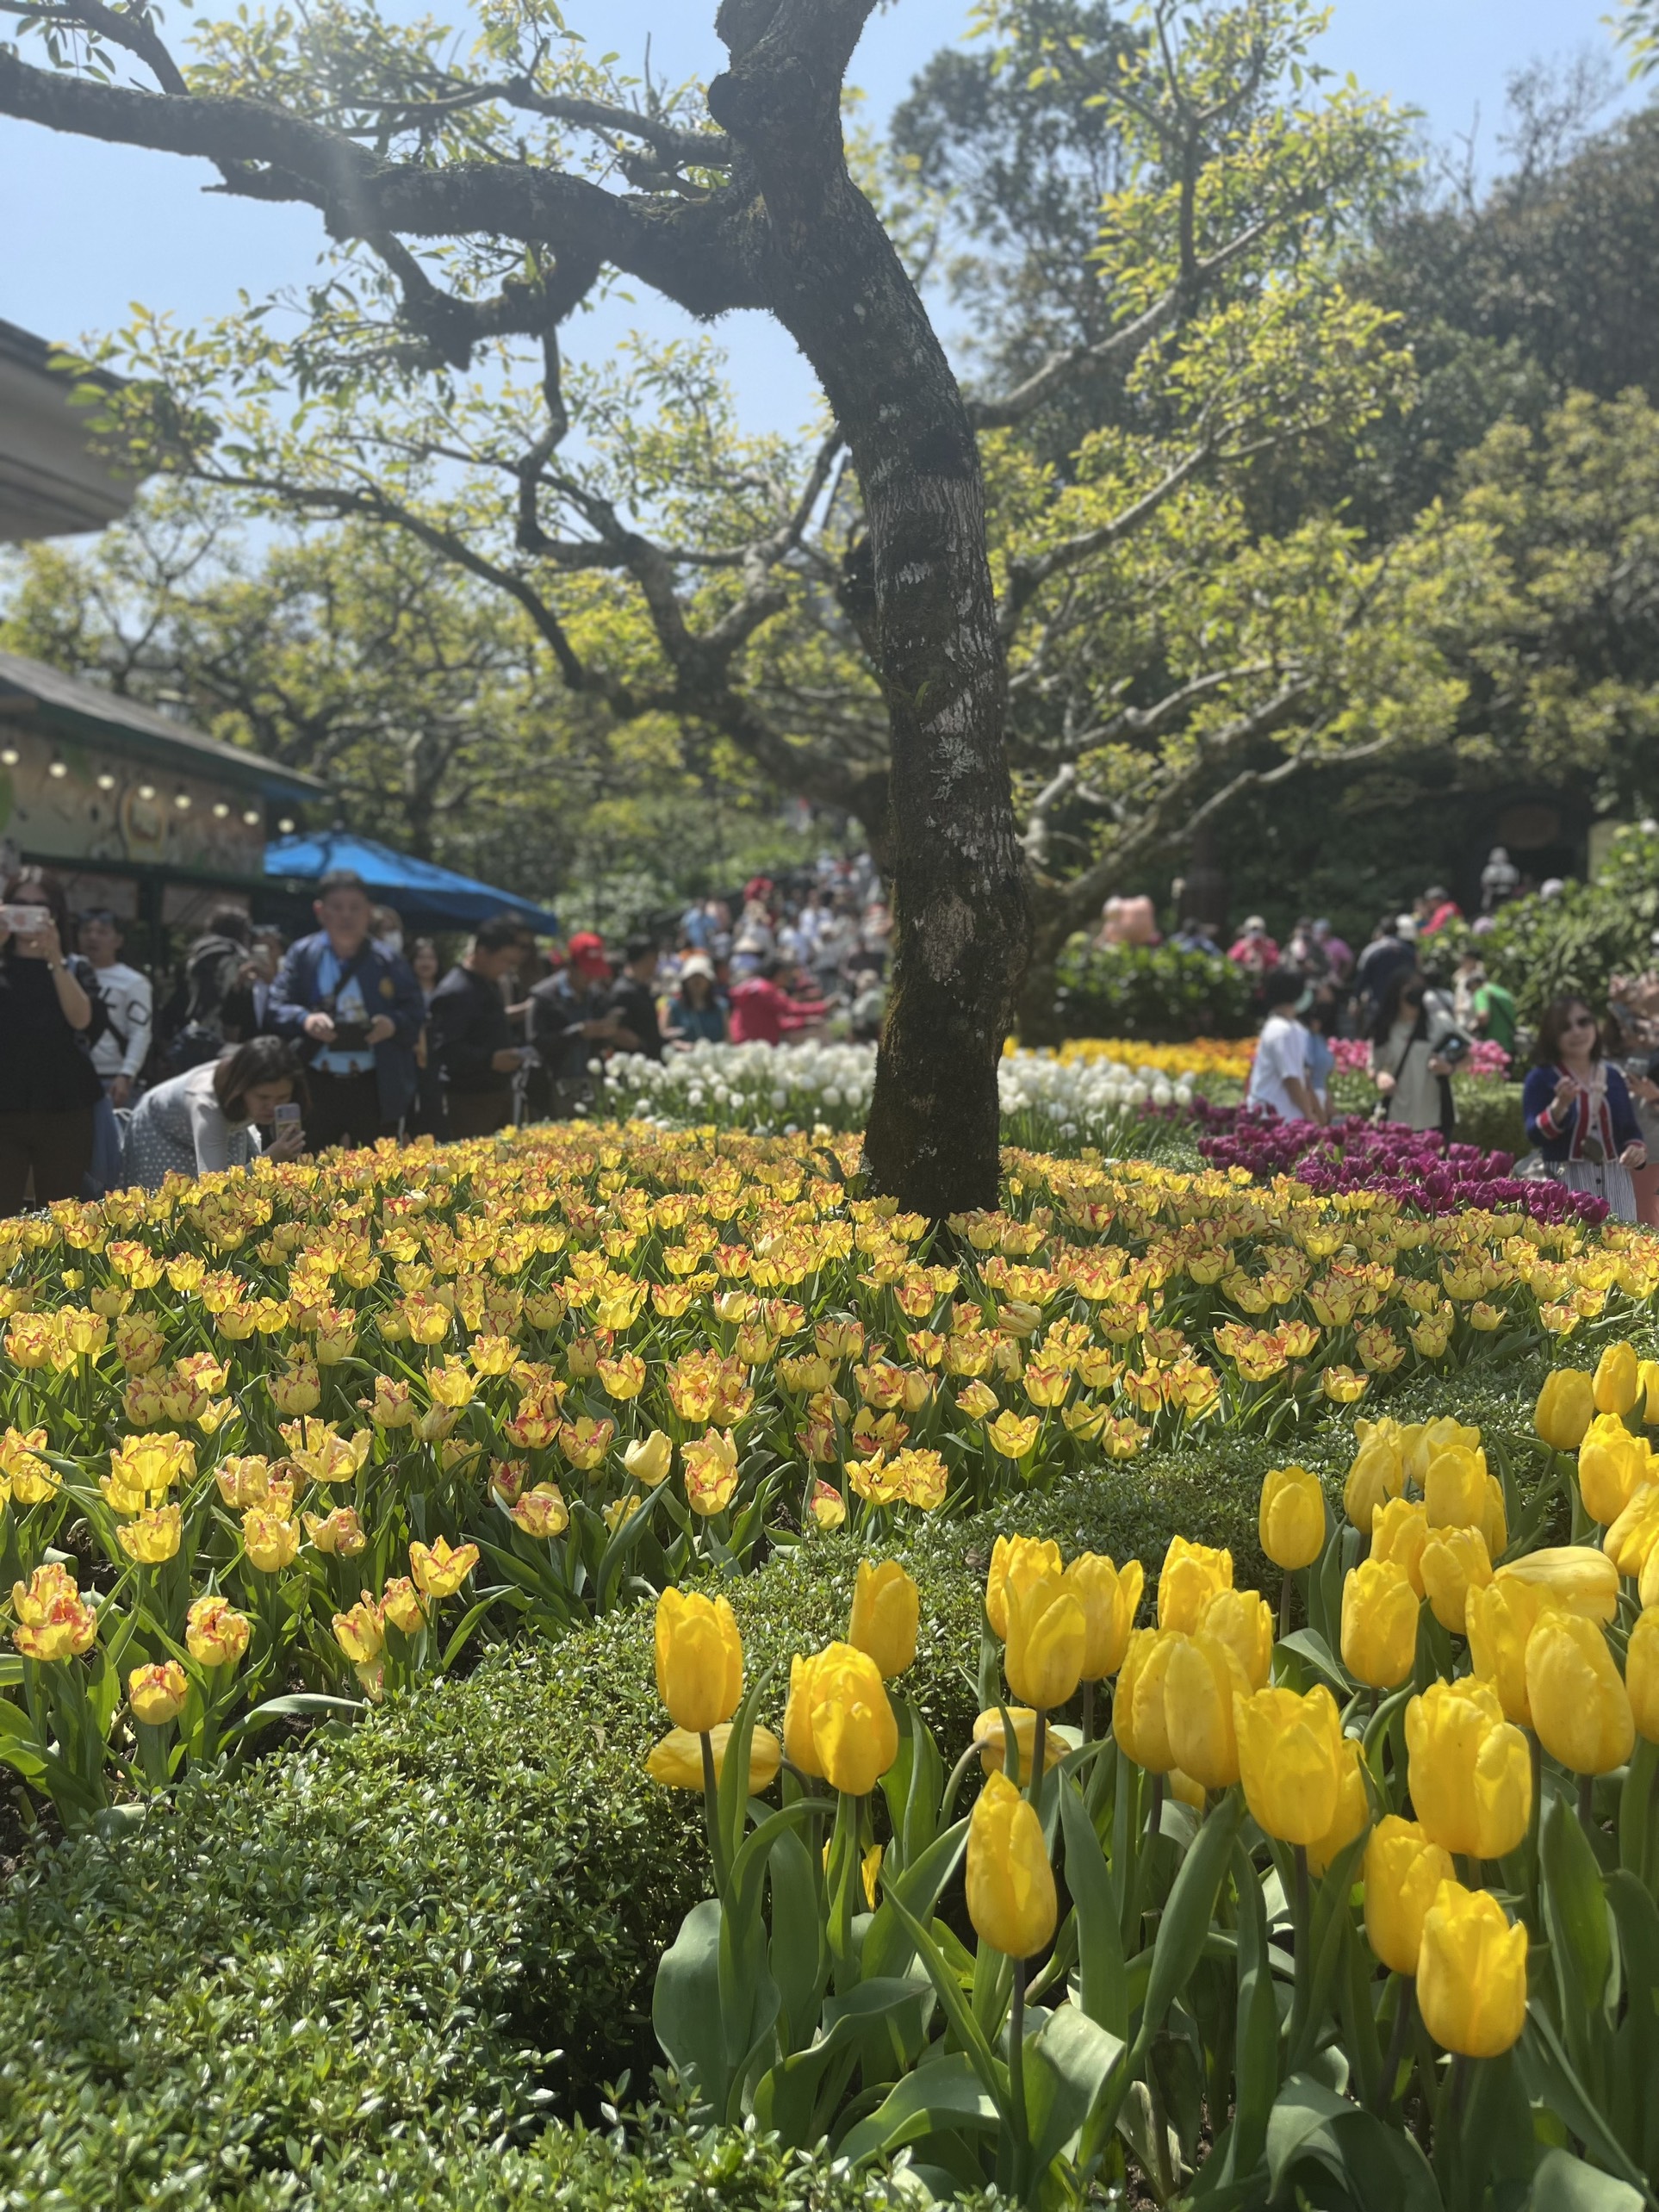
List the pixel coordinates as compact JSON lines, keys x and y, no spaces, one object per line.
{"x":1379,"y":1624}
{"x":677,"y":1760}
{"x":1289,"y":1751}
{"x":1454,"y":1561}
{"x":1642,"y":1674}
{"x":215,"y":1634}
{"x":1471,"y":1973}
{"x":1047,"y":1637}
{"x":1494,"y":1525}
{"x":1454,"y":1496}
{"x":1290,"y":1518}
{"x":855,"y":1734}
{"x":1498,"y":1621}
{"x":1109,"y":1596}
{"x":1353,"y":1811}
{"x":157,"y":1694}
{"x":1648,"y":1588}
{"x":338,"y":1535}
{"x":401,"y":1604}
{"x":700,"y":1659}
{"x":1019,"y":1559}
{"x":1202,"y":1678}
{"x":540,"y":1512}
{"x":1138,"y":1720}
{"x":1403,"y":1871}
{"x":1648,"y":1374}
{"x":438,"y":1572}
{"x":359,"y":1632}
{"x":153,"y":1536}
{"x":1243,"y":1619}
{"x":1469,"y":1769}
{"x":1378,"y":1472}
{"x":1579,"y":1579}
{"x":1422,"y":1442}
{"x":270,"y":1542}
{"x":1399,"y":1533}
{"x":1565,"y":1410}
{"x":991,"y":1738}
{"x":1191,"y":1575}
{"x":1011,"y":1899}
{"x":1612,"y":1464}
{"x":1580,"y":1708}
{"x":798,"y":1747}
{"x":886,"y":1611}
{"x":648,"y":1458}
{"x":1633,"y":1535}
{"x":1616,"y":1383}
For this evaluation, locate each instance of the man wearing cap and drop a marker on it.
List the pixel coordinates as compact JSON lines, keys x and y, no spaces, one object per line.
{"x":1254,"y":950}
{"x":1279,"y":1081}
{"x":356,"y":1015}
{"x":570,"y":1019}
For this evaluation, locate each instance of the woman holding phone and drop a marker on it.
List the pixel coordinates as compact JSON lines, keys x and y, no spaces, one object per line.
{"x":49,"y":1011}
{"x":207,"y":1118}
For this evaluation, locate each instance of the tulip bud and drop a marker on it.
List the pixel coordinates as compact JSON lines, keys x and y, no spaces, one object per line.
{"x":1403,"y":1871}
{"x":1021,"y":1559}
{"x":1191,"y":1575}
{"x":1290,"y":1519}
{"x":855,"y":1734}
{"x":1579,"y":1579}
{"x":799,"y":1746}
{"x":157,"y":1693}
{"x":1612,"y":1464}
{"x":1618,"y":1381}
{"x":1242,"y":1619}
{"x":990,"y":1739}
{"x":1379,"y":1624}
{"x":1565,"y":1410}
{"x":699,"y":1660}
{"x":1289,"y":1751}
{"x":1378,"y":1472}
{"x":886,"y":1611}
{"x":1580,"y":1708}
{"x":1498,"y":1619}
{"x":1469,"y":1769}
{"x":1471,"y":1973}
{"x":1109,"y":1596}
{"x":1494,"y":1525}
{"x":1455,"y":1494}
{"x":1454,"y":1561}
{"x":1353,"y":1811}
{"x":1011,"y":1899}
{"x":1647,"y":1375}
{"x":1138,"y":1720}
{"x":1633,"y":1535}
{"x":675,"y":1762}
{"x":1398,"y":1531}
{"x":1202,"y":1678}
{"x":1047,"y":1637}
{"x":215,"y":1634}
{"x":647,"y":1459}
{"x":1642,"y":1674}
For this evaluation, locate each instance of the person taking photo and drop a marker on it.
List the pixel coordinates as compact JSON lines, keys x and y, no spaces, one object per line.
{"x":50,"y":1013}
{"x":355,"y":1013}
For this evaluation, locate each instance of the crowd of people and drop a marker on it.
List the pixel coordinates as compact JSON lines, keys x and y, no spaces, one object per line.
{"x":348,"y":1035}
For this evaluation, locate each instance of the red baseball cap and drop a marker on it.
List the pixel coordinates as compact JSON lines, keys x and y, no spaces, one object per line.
{"x":586,"y":950}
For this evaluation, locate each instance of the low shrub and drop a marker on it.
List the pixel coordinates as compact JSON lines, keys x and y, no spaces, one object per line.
{"x":1156,"y":991}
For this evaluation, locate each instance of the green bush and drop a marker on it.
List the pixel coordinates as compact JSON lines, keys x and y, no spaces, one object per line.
{"x":1156,"y":992}
{"x":1489,"y":1115}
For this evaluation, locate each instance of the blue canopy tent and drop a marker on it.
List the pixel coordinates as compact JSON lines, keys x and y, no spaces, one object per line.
{"x":420,"y":890}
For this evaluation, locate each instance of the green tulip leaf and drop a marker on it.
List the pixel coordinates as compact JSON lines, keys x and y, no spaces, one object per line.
{"x":1067,"y":2066}
{"x":685,"y":2009}
{"x":1185,"y":1923}
{"x":918,"y":1888}
{"x":1380,"y":2168}
{"x":990,"y":2069}
{"x":799,"y":1957}
{"x":1256,"y":2065}
{"x":1548,"y":2073}
{"x":946,"y":2093}
{"x":1315,"y":1654}
{"x":1102,"y":1981}
{"x":787,"y":2098}
{"x":1575,"y":1911}
{"x":1564,"y":2183}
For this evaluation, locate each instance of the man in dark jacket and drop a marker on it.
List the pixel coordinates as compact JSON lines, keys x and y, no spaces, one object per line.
{"x":570,"y":1022}
{"x":634,"y":1002}
{"x":355,"y":1013}
{"x":469,"y":1034}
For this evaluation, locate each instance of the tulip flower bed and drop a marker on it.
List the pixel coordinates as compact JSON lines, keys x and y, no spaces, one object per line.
{"x":1415,"y":1166}
{"x":1369,"y":1906}
{"x":277,"y":1445}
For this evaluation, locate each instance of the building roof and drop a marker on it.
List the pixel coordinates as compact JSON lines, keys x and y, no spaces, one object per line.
{"x":51,"y":485}
{"x":34,"y":696}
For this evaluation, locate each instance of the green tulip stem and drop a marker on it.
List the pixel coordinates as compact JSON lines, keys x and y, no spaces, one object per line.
{"x":1284,"y":1605}
{"x":1088,"y":1712}
{"x":1039,"y":1750}
{"x":711,"y":1808}
{"x":1587,"y":1804}
{"x":1302,"y":1913}
{"x":1016,"y":2057}
{"x":1534,"y":1897}
{"x":1398,"y":2043}
{"x":958,"y":1776}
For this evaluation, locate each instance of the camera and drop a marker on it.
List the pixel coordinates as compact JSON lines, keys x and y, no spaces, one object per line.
{"x":350,"y":1037}
{"x":1453,"y":1048}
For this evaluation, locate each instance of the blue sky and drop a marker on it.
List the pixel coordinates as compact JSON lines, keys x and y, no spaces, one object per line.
{"x":92,"y":228}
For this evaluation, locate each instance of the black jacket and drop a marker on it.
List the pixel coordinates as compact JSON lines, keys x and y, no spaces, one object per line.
{"x":466,"y":1027}
{"x":45,"y":1066}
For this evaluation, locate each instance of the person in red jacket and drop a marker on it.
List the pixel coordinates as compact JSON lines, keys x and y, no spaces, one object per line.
{"x":763,"y":1013}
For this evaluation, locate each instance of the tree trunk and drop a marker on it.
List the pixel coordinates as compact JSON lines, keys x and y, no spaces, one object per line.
{"x":959,"y":892}
{"x":1036,"y":1017}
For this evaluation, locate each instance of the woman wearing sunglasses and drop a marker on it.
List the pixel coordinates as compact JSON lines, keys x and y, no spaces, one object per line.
{"x":1578,"y":1109}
